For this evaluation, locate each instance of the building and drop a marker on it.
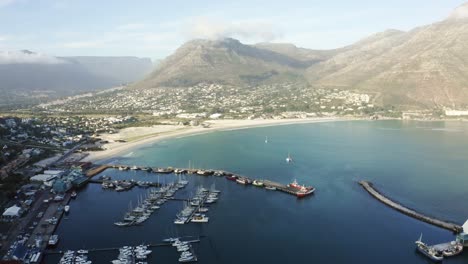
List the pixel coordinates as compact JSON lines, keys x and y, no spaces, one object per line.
{"x":61,"y":186}
{"x":463,"y":237}
{"x":456,"y":113}
{"x":42,"y":178}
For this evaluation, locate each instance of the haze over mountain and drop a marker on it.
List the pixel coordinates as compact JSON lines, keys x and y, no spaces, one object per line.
{"x":28,"y":75}
{"x":425,"y":67}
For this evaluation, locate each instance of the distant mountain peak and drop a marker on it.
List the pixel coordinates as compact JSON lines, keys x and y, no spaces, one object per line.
{"x":460,"y":13}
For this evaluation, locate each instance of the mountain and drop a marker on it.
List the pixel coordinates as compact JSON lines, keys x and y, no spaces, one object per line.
{"x":27,"y":76}
{"x":426,"y":67}
{"x":223,"y":61}
{"x":117,"y":69}
{"x":301,"y":54}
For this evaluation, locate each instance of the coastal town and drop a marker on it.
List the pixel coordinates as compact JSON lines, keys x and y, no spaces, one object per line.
{"x":222,"y":101}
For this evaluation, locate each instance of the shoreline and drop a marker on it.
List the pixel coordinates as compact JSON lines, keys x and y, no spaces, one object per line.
{"x":116,"y":149}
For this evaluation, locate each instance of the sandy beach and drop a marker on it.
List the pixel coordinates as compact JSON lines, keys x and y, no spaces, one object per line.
{"x":135,"y":137}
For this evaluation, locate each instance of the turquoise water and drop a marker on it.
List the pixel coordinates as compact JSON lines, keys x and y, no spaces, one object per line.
{"x":421,"y":164}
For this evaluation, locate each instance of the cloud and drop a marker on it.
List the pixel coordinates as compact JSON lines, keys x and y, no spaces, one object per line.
{"x":246,"y":30}
{"x":26,"y":57}
{"x":460,"y":12}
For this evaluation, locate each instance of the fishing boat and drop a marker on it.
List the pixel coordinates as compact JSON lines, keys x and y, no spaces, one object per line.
{"x":454,"y":249}
{"x":300,"y":190}
{"x":231,"y":178}
{"x":428,"y":251}
{"x":257,"y":183}
{"x":289,"y":159}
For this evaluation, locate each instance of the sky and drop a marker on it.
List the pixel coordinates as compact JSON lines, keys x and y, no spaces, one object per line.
{"x":156,"y":28}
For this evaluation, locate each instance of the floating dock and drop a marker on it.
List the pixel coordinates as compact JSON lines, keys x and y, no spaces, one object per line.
{"x":164,"y":244}
{"x":430,"y":220}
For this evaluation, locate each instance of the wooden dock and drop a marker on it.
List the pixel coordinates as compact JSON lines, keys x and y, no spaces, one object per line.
{"x":95,"y":171}
{"x":409,"y":212}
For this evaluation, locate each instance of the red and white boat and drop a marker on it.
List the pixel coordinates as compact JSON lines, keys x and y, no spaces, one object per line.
{"x":231,"y":178}
{"x":301,"y":190}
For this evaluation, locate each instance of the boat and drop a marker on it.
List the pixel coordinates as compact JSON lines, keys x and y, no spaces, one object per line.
{"x":66,"y":208}
{"x":180,"y":221}
{"x":231,"y":178}
{"x":289,"y":159}
{"x":122,"y":223}
{"x":82,"y":251}
{"x":203,"y":210}
{"x":203,"y":172}
{"x":454,"y":249}
{"x":164,"y":170}
{"x":266,"y":140}
{"x":257,"y":183}
{"x":73,"y":195}
{"x":429,"y":252}
{"x":120,"y":188}
{"x":53,"y":240}
{"x":271,"y":188}
{"x":200,"y":218}
{"x":300,"y":190}
{"x":241,"y":181}
{"x":134,"y":167}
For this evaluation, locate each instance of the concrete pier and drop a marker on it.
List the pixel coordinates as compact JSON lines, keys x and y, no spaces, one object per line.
{"x":199,"y":172}
{"x":431,"y":220}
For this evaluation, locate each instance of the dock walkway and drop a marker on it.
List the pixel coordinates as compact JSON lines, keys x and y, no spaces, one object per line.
{"x":204,"y":173}
{"x":431,"y":220}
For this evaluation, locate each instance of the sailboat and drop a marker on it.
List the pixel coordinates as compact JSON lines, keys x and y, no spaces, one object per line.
{"x":266,"y":140}
{"x":289,"y":159}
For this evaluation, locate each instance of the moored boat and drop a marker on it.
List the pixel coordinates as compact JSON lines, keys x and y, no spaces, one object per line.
{"x":241,"y":181}
{"x":257,"y":183}
{"x":454,"y":249}
{"x":300,"y":190}
{"x":428,"y":251}
{"x":53,"y":240}
{"x":231,"y":178}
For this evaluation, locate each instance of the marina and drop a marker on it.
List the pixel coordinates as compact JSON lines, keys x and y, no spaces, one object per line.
{"x":293,"y":188}
{"x":235,"y":217}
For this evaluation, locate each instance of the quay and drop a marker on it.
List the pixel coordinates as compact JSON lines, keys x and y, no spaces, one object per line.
{"x":200,"y":172}
{"x":409,"y":212}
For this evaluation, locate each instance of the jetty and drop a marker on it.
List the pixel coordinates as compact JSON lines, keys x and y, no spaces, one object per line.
{"x":199,"y":172}
{"x":409,"y":212}
{"x":151,"y":245}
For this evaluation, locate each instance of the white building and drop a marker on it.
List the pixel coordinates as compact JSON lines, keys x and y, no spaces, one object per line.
{"x":456,"y":113}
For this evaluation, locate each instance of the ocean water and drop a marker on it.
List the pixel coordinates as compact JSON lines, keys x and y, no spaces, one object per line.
{"x":423,"y":165}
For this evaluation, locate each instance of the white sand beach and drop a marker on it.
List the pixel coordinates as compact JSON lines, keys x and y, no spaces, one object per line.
{"x":135,"y":137}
